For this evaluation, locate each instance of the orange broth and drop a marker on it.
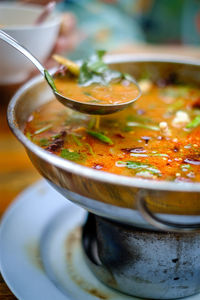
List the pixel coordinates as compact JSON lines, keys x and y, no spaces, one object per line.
{"x":157,"y":137}
{"x":113,"y":93}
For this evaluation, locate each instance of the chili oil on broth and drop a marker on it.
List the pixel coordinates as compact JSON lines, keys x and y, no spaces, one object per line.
{"x":116,"y":92}
{"x":158,"y":137}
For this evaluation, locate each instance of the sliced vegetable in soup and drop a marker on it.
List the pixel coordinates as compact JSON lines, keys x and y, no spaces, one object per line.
{"x":158,"y":137}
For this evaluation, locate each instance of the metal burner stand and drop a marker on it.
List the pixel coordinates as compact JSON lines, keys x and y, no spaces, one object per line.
{"x":143,"y":263}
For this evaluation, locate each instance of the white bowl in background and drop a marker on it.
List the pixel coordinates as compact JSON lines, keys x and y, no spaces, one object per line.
{"x":17,"y":20}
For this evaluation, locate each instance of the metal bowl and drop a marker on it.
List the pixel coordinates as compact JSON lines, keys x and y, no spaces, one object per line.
{"x":138,"y":202}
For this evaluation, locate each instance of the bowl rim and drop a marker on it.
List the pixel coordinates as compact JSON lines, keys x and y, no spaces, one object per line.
{"x":54,"y":19}
{"x":90,"y":173}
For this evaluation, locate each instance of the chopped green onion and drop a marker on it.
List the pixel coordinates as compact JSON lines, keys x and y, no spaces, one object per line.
{"x":103,"y":138}
{"x":76,"y":140}
{"x":43,"y":129}
{"x":136,"y":124}
{"x":138,"y":166}
{"x":89,"y":148}
{"x":50,"y":80}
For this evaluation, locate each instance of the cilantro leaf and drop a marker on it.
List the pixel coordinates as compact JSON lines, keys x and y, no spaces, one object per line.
{"x":95,"y":70}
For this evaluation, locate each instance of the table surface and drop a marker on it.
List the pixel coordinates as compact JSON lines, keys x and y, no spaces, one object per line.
{"x":17,"y":172}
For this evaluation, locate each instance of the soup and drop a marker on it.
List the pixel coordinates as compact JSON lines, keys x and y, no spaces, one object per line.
{"x":94,"y":82}
{"x":115,"y":93}
{"x":157,"y":137}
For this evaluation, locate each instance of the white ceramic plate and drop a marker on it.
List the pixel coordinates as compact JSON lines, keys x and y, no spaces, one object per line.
{"x":40,"y":252}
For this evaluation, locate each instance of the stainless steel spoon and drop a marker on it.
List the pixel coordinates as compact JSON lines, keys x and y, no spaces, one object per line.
{"x":89,"y":108}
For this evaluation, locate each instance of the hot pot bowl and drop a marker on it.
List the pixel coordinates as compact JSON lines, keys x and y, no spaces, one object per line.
{"x":168,"y":212}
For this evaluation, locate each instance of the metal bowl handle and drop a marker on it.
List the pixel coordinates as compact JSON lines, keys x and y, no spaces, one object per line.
{"x":159,"y":223}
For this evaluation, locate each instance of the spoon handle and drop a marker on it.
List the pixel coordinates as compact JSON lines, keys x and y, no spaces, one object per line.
{"x":8,"y":39}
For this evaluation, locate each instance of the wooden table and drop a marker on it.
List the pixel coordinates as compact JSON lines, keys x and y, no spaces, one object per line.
{"x":16,"y":171}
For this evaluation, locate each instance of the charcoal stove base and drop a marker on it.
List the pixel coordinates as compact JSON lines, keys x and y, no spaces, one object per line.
{"x":142,"y":263}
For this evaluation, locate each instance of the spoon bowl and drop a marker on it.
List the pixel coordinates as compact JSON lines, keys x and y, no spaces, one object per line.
{"x":93,"y":108}
{"x":89,"y":108}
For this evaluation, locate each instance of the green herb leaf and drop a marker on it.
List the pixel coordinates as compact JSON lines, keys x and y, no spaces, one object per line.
{"x":128,"y":77}
{"x":70,"y":155}
{"x":194,"y":123}
{"x":44,"y":142}
{"x":76,"y":140}
{"x":95,"y":70}
{"x":50,"y":80}
{"x":136,"y":124}
{"x":56,"y":136}
{"x":43,"y":129}
{"x":89,"y":148}
{"x":85,"y":76}
{"x":138,"y":166}
{"x":103,"y":138}
{"x":97,"y":67}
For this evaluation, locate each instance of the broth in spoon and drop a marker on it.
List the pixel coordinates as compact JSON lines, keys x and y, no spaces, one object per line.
{"x":115,"y":93}
{"x":94,"y":82}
